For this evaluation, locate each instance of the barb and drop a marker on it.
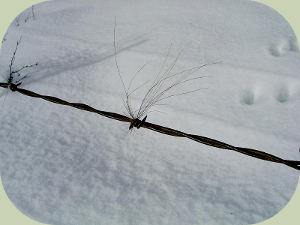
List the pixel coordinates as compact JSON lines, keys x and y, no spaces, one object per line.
{"x":157,"y":128}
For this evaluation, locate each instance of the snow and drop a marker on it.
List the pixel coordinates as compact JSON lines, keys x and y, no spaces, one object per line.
{"x":64,"y":166}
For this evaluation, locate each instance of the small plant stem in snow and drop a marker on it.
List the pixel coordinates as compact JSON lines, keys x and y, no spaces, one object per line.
{"x":15,"y":74}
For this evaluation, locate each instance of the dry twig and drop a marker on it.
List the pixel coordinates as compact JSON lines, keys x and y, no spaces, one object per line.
{"x":15,"y":74}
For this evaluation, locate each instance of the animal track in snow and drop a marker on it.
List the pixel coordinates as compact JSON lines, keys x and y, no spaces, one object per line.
{"x":283,"y":47}
{"x":283,"y":95}
{"x":248,"y":97}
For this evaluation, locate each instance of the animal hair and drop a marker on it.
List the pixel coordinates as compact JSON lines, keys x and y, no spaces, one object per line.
{"x":160,"y":89}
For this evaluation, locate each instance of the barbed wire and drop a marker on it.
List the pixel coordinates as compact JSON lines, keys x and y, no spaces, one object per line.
{"x":157,"y":128}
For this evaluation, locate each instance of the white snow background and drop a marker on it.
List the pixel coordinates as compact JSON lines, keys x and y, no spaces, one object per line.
{"x":60,"y":165}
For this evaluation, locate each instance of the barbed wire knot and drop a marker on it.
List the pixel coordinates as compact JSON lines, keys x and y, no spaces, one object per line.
{"x":13,"y":87}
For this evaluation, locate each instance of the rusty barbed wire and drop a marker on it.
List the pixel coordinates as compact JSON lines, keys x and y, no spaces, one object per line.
{"x":161,"y":129}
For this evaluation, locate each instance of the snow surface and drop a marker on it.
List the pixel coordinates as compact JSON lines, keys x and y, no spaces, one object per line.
{"x":64,"y":166}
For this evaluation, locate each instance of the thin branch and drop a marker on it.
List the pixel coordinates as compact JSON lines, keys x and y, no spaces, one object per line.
{"x":13,"y":72}
{"x":24,"y":67}
{"x":32,"y":12}
{"x":13,"y":60}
